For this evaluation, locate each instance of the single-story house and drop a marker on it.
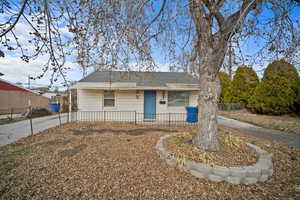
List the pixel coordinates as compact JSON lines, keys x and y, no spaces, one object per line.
{"x":150,"y":94}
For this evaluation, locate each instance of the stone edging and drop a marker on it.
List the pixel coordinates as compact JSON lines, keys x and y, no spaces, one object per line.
{"x":258,"y":172}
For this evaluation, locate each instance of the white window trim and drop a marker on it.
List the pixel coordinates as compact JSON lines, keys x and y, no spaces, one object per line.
{"x":115,"y":100}
{"x":174,"y":107}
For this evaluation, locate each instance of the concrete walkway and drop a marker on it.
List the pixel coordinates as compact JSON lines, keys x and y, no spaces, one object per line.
{"x":280,"y":136}
{"x":14,"y":131}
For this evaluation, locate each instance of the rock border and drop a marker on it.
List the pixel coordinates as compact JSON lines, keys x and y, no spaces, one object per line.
{"x":258,"y":172}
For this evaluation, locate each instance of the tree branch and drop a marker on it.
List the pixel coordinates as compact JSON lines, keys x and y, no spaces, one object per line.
{"x":235,"y":20}
{"x":18,"y":17}
{"x":155,"y":18}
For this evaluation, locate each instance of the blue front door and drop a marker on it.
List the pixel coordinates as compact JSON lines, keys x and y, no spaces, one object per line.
{"x":149,"y":104}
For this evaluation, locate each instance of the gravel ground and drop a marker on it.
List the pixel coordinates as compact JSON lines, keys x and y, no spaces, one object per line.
{"x":117,"y":164}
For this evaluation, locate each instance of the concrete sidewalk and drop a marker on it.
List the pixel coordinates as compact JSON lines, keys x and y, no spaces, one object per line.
{"x":280,"y":136}
{"x":14,"y":131}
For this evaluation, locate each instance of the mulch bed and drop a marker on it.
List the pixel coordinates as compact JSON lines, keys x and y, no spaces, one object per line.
{"x":230,"y":155}
{"x":123,"y":166}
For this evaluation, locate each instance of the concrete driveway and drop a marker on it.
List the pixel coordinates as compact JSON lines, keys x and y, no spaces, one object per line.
{"x":280,"y":136}
{"x":14,"y":131}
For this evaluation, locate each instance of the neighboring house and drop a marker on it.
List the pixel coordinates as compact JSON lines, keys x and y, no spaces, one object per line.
{"x":18,"y":98}
{"x":50,"y":94}
{"x":151,"y":94}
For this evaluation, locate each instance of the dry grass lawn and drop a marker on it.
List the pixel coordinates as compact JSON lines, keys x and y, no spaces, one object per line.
{"x":283,"y":123}
{"x":118,"y":161}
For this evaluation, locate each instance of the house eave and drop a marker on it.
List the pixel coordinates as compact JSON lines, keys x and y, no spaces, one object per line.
{"x":133,"y":86}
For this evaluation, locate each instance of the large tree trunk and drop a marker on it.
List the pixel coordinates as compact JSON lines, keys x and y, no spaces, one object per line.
{"x":210,"y":89}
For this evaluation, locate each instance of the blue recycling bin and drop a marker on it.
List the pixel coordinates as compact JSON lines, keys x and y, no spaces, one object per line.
{"x":191,"y":114}
{"x":54,"y":107}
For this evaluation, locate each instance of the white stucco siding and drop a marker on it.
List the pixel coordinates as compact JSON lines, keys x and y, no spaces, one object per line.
{"x":92,"y":100}
{"x":194,"y":98}
{"x":126,"y":100}
{"x":89,"y":100}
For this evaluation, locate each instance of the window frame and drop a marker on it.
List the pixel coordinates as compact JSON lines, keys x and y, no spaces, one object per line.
{"x":187,"y":101}
{"x":114,"y":93}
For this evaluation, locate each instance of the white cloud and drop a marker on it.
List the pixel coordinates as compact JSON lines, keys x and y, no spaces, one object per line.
{"x":16,"y":70}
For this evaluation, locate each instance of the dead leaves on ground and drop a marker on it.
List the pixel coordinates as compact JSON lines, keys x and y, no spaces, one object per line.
{"x":123,"y":166}
{"x":233,"y":152}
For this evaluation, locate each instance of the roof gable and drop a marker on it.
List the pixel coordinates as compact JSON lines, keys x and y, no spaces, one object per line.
{"x":4,"y":85}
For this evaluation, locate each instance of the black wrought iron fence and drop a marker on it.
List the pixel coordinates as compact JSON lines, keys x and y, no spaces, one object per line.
{"x":162,"y":119}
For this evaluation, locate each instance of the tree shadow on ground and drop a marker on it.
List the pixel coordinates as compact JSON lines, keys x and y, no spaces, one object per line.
{"x":71,"y":152}
{"x":132,"y":132}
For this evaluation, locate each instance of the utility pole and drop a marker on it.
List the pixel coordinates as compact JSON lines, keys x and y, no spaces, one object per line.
{"x":29,"y":106}
{"x":70,"y":104}
{"x":29,"y":99}
{"x":28,"y":82}
{"x":230,"y":60}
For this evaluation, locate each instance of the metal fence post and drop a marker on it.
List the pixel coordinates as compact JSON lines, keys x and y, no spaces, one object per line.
{"x":59,"y":114}
{"x":169,"y":119}
{"x":11,"y":113}
{"x":30,"y":119}
{"x":135,"y":117}
{"x":59,"y":118}
{"x":104,"y":115}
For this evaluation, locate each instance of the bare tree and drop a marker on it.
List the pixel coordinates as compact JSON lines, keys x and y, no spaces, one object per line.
{"x":200,"y":29}
{"x":42,"y":23}
{"x":114,"y":34}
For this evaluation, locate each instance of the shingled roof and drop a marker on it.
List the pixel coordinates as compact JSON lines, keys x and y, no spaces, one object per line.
{"x":149,"y":79}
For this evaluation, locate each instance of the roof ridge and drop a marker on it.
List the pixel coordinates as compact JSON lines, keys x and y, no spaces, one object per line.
{"x":150,"y":79}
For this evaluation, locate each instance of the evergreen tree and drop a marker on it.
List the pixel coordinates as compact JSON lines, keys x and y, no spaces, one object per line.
{"x":279,"y":91}
{"x":225,"y":85}
{"x":243,"y":85}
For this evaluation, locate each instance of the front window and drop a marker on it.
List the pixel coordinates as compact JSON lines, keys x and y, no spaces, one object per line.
{"x":178,"y":98}
{"x":109,"y":99}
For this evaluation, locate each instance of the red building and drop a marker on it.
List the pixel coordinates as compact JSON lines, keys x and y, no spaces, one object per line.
{"x":18,"y":98}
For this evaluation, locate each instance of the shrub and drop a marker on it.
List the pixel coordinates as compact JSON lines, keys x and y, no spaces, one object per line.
{"x":243,"y":85}
{"x":278,"y":92}
{"x":225,"y":84}
{"x":297,"y":102}
{"x":40,"y":112}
